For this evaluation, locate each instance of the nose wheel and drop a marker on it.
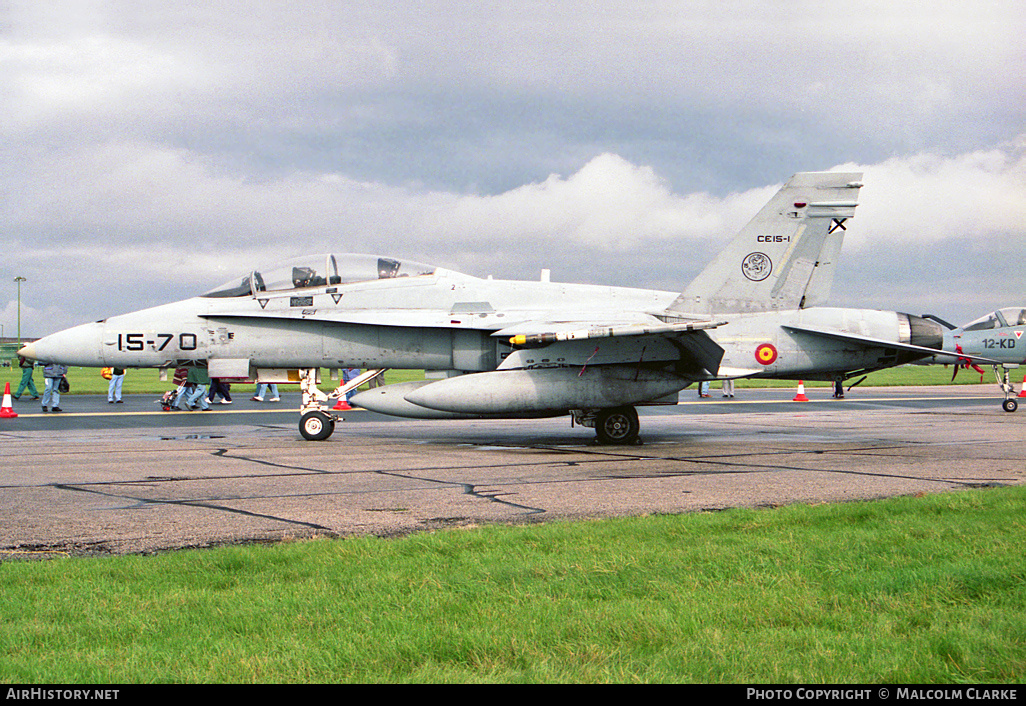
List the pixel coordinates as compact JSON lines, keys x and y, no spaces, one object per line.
{"x":1010,"y":404}
{"x":316,"y":425}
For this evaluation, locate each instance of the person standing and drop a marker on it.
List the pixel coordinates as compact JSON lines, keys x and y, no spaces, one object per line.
{"x":27,"y":368}
{"x":53,"y":373}
{"x":199,"y":378}
{"x":114,"y":387}
{"x":181,"y":387}
{"x":219,"y":387}
{"x":265,"y":387}
{"x":728,"y":388}
{"x":348,"y":375}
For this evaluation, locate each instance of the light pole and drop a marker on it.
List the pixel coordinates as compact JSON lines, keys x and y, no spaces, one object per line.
{"x":19,"y":280}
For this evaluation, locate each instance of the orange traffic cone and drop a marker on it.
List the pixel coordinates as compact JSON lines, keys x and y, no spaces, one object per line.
{"x":1022,"y":390}
{"x":800,"y":397}
{"x":7,"y":411}
{"x":342,"y":404}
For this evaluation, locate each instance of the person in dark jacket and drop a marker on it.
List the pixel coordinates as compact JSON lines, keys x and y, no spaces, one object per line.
{"x":199,"y":378}
{"x":53,"y":373}
{"x":27,"y":368}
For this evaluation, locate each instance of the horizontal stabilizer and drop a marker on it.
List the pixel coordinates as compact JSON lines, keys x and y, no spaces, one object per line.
{"x":868,"y":342}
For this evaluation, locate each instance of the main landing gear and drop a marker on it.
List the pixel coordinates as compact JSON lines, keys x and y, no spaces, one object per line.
{"x":317,"y":420}
{"x":618,"y":426}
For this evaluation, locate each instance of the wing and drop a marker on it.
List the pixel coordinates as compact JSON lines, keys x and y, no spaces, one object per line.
{"x":483,"y":318}
{"x":604,"y":342}
{"x":581,"y":338}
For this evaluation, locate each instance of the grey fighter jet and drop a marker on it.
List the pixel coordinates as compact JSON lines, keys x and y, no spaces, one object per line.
{"x":998,"y":339}
{"x":528,"y":349}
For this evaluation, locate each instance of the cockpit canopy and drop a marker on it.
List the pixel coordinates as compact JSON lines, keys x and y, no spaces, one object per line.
{"x":319,"y":271}
{"x":1001,"y":318}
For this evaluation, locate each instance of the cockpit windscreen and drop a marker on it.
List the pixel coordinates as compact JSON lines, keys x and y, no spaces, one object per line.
{"x":320,"y":271}
{"x":1001,"y":318}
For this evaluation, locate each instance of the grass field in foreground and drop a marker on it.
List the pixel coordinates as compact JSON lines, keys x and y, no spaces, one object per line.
{"x":908,"y":590}
{"x":88,"y":380}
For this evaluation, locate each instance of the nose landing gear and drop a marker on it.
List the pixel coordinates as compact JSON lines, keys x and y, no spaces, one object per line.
{"x":317,"y":421}
{"x":1010,"y":404}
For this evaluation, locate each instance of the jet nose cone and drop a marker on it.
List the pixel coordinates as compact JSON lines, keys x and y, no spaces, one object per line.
{"x":74,"y":346}
{"x":28,"y":351}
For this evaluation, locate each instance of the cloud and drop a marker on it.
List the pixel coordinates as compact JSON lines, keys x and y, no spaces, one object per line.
{"x":618,"y":143}
{"x":608,"y":206}
{"x":737,"y":88}
{"x":926,"y":198}
{"x":152,"y":214}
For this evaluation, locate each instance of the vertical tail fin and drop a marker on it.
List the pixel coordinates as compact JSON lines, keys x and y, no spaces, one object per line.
{"x":786,"y":256}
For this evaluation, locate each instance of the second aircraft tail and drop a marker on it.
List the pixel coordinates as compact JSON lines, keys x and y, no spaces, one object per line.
{"x":786,"y":256}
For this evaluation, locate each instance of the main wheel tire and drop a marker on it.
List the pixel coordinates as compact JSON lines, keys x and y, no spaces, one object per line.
{"x":618,"y":425}
{"x":1010,"y":405}
{"x":316,"y":426}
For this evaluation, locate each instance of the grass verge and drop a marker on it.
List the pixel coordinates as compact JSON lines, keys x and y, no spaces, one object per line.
{"x":908,"y":590}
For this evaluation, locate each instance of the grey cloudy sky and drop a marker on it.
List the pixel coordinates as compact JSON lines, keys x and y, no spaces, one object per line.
{"x":152,"y":151}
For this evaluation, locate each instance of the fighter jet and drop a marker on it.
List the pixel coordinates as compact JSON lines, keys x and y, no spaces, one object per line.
{"x":995,"y":339}
{"x":528,"y":349}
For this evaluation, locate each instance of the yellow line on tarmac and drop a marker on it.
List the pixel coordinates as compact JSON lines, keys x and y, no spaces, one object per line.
{"x":280,"y":410}
{"x":840,"y":401}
